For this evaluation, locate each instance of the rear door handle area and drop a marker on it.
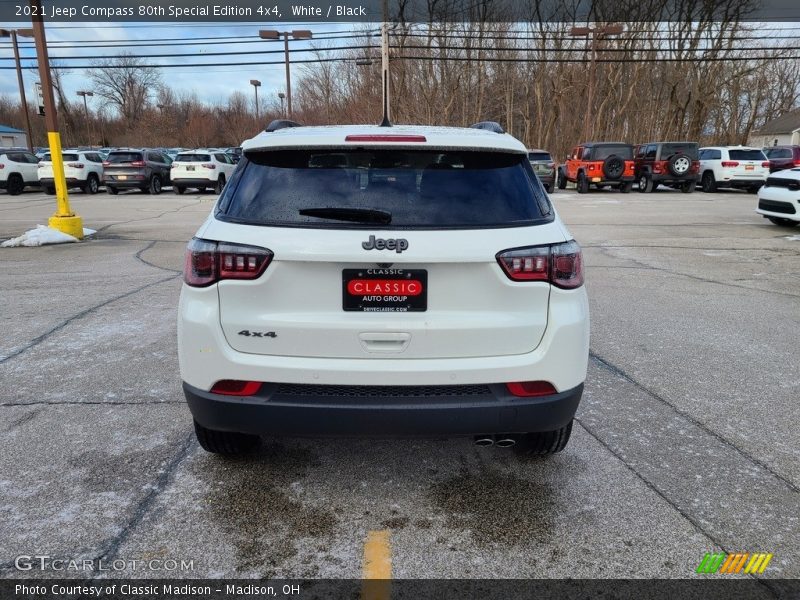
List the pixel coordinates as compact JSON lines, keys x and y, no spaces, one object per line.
{"x":384,"y":342}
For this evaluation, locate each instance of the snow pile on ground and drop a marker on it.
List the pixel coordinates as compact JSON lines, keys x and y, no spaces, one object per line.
{"x":43,"y":235}
{"x":793,"y":238}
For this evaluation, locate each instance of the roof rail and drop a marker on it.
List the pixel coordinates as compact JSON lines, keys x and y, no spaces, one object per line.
{"x":488,"y":126}
{"x":281,"y":124}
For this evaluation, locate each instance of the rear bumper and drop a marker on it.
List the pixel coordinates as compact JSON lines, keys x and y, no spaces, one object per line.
{"x":132,"y":181}
{"x":276,"y":412}
{"x":71,"y":181}
{"x":193,"y":182}
{"x":668,"y":179}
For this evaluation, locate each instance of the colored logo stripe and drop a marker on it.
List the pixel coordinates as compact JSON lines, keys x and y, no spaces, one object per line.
{"x":721,"y":562}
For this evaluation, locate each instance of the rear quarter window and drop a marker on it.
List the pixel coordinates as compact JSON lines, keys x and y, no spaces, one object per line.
{"x":419,"y":188}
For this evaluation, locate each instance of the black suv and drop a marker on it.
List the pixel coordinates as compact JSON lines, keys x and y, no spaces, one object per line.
{"x":147,"y":170}
{"x":675,"y":164}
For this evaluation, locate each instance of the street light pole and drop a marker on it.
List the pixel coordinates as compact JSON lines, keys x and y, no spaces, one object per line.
{"x":297,"y":34}
{"x":256,"y":84}
{"x":64,"y":219}
{"x":282,"y":96}
{"x":86,"y":108}
{"x":593,"y":34}
{"x":13,"y":33}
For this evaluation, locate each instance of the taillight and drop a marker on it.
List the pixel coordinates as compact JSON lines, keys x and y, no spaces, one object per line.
{"x":765,"y":164}
{"x":529,"y":389}
{"x":386,"y":137}
{"x":658,"y":168}
{"x":234,"y":387}
{"x":797,"y":163}
{"x":560,"y":264}
{"x":106,"y":163}
{"x":2,"y":166}
{"x":208,"y":262}
{"x":209,"y":166}
{"x":75,"y":165}
{"x":730,"y":163}
{"x":137,"y":163}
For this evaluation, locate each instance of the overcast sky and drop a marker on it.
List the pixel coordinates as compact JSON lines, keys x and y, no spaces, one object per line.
{"x":210,"y":84}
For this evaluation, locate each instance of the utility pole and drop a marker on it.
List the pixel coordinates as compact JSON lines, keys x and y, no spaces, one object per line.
{"x":256,"y":84}
{"x":13,"y":33}
{"x":64,"y":219}
{"x":385,"y":66}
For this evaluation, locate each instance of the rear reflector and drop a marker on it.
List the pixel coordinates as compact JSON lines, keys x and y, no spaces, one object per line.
{"x":233,"y":387}
{"x":386,"y":137}
{"x":529,"y":389}
{"x":560,"y":264}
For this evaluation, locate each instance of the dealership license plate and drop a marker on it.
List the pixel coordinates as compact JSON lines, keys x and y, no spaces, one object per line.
{"x":750,"y":167}
{"x":190,"y":168}
{"x":122,"y":176}
{"x":385,"y":290}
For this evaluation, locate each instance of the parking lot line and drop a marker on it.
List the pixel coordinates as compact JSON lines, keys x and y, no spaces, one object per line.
{"x":377,"y":571}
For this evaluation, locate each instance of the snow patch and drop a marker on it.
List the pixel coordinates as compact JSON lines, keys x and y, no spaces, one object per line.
{"x":793,"y":238}
{"x":43,"y":235}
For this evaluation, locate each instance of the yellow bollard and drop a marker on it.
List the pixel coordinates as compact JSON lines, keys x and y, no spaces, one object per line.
{"x":64,"y":219}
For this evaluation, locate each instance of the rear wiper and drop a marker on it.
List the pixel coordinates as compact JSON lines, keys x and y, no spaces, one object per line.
{"x":354,"y":215}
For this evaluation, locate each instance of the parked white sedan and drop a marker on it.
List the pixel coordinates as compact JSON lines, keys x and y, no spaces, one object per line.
{"x":201,"y":169}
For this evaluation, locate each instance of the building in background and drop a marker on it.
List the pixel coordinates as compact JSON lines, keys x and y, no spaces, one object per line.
{"x":781,"y":131}
{"x":12,"y":138}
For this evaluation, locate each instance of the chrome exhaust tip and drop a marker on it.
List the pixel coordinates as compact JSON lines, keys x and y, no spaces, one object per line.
{"x":484,"y":440}
{"x":505,"y":441}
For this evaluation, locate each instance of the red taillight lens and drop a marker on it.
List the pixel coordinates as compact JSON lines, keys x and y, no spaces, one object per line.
{"x":529,"y":389}
{"x":730,"y":163}
{"x":208,"y":262}
{"x":75,"y":165}
{"x":560,"y":264}
{"x":2,"y":166}
{"x":797,"y":163}
{"x":137,"y":163}
{"x":765,"y":164}
{"x":658,"y":168}
{"x":209,"y":166}
{"x":233,"y":387}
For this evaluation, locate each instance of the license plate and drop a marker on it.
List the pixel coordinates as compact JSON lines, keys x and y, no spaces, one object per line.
{"x":122,"y":176}
{"x":749,"y":167}
{"x":385,"y":290}
{"x":190,"y":168}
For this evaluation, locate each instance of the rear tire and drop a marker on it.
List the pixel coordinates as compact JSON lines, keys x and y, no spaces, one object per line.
{"x":562,"y":180}
{"x":92,"y":185}
{"x":15,"y":185}
{"x":754,"y":189}
{"x":709,"y":184}
{"x":112,"y":190}
{"x":179,"y":189}
{"x":155,"y":185}
{"x":687,"y":187}
{"x":583,"y":184}
{"x":49,"y":190}
{"x":225,"y":442}
{"x":626,"y":187}
{"x":220,"y":184}
{"x":783,"y":222}
{"x":543,"y":442}
{"x":645,"y":184}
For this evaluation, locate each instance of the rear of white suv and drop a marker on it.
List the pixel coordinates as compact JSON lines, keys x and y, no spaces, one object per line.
{"x":779,"y":198}
{"x":201,"y":169}
{"x":82,"y":169}
{"x":733,"y":167}
{"x":374,"y":281}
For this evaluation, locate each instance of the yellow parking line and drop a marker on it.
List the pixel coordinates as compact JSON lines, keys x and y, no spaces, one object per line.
{"x":377,"y":573}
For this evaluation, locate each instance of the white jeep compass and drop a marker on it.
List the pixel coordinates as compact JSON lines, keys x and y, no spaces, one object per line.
{"x":370,"y":280}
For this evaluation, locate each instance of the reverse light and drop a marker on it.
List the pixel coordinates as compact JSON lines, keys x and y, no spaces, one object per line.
{"x":386,"y":137}
{"x":559,"y":264}
{"x":234,"y":387}
{"x":208,"y":262}
{"x":530,"y":389}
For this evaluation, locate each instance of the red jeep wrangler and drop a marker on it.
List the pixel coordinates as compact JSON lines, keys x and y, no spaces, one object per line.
{"x":601,"y":164}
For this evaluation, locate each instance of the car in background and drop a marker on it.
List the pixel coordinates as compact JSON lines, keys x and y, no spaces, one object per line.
{"x":544,"y":167}
{"x":18,"y":169}
{"x":738,"y":167}
{"x":201,"y":169}
{"x":674,"y":164}
{"x":602,"y":164}
{"x":782,"y":157}
{"x":146,"y":170}
{"x":82,"y":169}
{"x":235,"y":153}
{"x":779,"y":198}
{"x":357,"y":281}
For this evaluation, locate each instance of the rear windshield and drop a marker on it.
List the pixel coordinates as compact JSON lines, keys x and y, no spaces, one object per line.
{"x":603,"y":152}
{"x":124,"y":157}
{"x":779,"y":153}
{"x":48,"y":158}
{"x":418,"y":189}
{"x":193,"y":158}
{"x":746,"y":155}
{"x":669,"y":150}
{"x":539,"y":156}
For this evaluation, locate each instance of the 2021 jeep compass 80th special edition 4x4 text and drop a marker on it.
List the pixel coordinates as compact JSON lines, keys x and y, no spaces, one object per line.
{"x":365,"y":280}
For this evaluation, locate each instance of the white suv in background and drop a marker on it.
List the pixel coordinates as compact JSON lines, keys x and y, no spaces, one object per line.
{"x":733,"y":167}
{"x":17,"y":170}
{"x":384,"y":281}
{"x":82,"y":169}
{"x":779,"y":198}
{"x":201,"y":169}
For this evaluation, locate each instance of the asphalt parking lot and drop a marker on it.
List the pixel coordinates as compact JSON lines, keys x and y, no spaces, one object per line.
{"x":687,"y":438}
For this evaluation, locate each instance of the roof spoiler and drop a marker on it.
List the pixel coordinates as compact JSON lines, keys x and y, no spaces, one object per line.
{"x":488,"y":126}
{"x":281,"y":124}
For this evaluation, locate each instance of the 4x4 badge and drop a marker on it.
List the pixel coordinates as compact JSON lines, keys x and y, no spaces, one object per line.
{"x":398,"y":245}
